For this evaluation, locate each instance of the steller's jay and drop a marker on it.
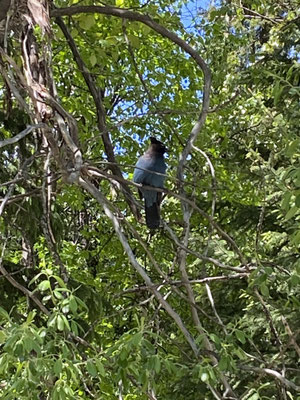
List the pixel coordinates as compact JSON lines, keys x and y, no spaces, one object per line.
{"x":151,"y":160}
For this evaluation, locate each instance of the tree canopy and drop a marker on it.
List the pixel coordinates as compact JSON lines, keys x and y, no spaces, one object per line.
{"x":94,"y":305}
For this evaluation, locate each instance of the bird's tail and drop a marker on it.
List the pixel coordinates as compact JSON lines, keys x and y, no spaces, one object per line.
{"x":152,"y":215}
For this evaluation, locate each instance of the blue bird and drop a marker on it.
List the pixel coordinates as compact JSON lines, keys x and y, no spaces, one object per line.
{"x":151,"y":160}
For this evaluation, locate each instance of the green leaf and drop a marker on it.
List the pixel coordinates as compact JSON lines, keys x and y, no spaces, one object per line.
{"x":146,"y":29}
{"x":157,"y":363}
{"x":59,"y":280}
{"x":124,"y":354}
{"x":240,"y":353}
{"x":286,"y":200}
{"x":57,"y":367}
{"x":87,"y":21}
{"x":30,"y":344}
{"x":65,"y":309}
{"x":66,"y":322}
{"x":296,"y":238}
{"x":264,"y":289}
{"x":73,"y":304}
{"x":295,"y":280}
{"x":215,"y":338}
{"x":290,"y":72}
{"x":81,"y":303}
{"x":2,"y":337}
{"x":100,"y":367}
{"x":277,"y":92}
{"x":170,"y":366}
{"x":134,"y":40}
{"x":52,"y":320}
{"x":4,"y":314}
{"x":90,"y":366}
{"x":19,"y":349}
{"x":44,"y":285}
{"x":111,"y":40}
{"x":136,"y":339}
{"x":240,"y":336}
{"x":93,"y":60}
{"x":60,"y":323}
{"x":58,"y":294}
{"x":293,"y":147}
{"x":74,"y":328}
{"x":35,"y":278}
{"x":291,"y":213}
{"x":62,"y":394}
{"x":30,"y":317}
{"x":10,"y":343}
{"x":223,"y":364}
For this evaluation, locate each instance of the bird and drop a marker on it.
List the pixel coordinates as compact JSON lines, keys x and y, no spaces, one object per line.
{"x":151,"y":160}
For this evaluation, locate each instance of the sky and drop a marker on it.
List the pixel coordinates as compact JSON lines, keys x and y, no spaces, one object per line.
{"x":192,"y":9}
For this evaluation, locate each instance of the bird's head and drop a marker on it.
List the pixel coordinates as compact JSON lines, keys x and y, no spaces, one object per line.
{"x":158,"y":146}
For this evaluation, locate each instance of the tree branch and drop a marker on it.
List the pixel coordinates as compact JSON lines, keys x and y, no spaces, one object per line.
{"x":137,"y":266}
{"x":21,"y":135}
{"x":287,"y":383}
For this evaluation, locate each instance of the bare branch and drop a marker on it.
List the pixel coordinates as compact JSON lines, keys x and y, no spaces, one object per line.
{"x":21,"y":135}
{"x":191,"y":281}
{"x":258,"y":15}
{"x":287,"y":383}
{"x":138,"y":267}
{"x":13,"y":273}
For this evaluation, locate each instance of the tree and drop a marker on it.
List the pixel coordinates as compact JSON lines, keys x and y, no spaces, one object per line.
{"x":95,"y":306}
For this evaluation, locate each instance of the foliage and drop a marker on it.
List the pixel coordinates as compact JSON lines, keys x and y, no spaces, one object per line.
{"x":92,"y":304}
